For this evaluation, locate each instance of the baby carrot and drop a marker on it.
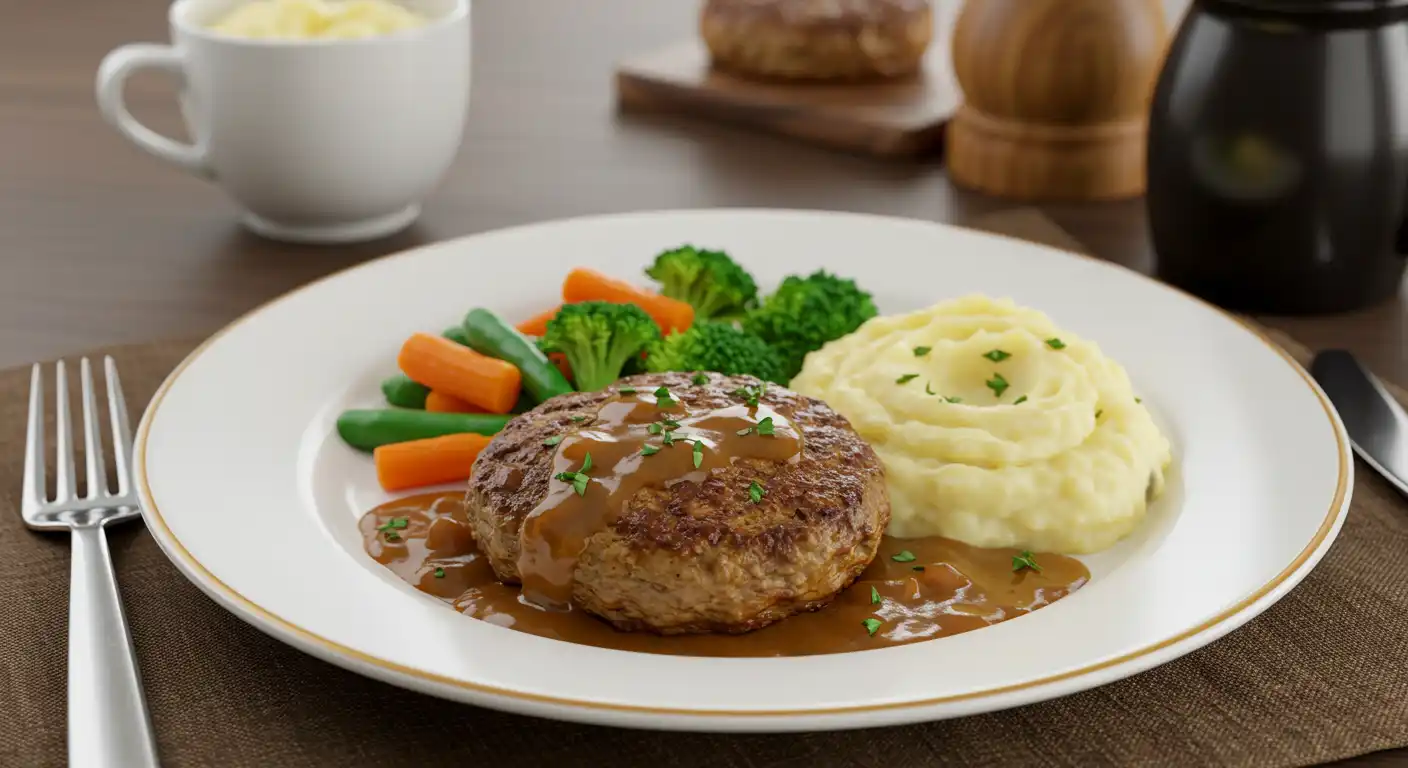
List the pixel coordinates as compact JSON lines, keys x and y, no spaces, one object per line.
{"x":451,"y":369}
{"x":537,"y":325}
{"x":584,"y":284}
{"x":439,"y":402}
{"x":445,"y":459}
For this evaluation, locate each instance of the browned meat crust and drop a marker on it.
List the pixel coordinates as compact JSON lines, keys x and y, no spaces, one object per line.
{"x":700,"y":557}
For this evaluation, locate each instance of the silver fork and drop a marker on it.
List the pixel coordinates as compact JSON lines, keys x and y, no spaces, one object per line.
{"x":108,"y":723}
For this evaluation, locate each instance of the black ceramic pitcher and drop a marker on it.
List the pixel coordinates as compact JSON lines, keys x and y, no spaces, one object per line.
{"x":1278,"y":154}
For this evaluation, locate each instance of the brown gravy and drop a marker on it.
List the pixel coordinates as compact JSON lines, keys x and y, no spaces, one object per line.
{"x":948,"y":588}
{"x":646,"y":438}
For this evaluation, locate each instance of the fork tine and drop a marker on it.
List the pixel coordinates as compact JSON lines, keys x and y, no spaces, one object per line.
{"x":63,"y":434}
{"x":92,"y":438}
{"x":34,"y":492}
{"x":121,"y":432}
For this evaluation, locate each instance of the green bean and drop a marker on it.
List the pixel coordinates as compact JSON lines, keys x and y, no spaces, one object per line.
{"x":488,"y":334}
{"x":367,"y":429}
{"x":404,"y":393}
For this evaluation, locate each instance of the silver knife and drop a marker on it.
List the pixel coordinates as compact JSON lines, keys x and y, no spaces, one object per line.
{"x":1376,"y":423}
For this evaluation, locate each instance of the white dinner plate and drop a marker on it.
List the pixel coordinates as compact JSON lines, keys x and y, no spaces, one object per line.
{"x":248,"y":489}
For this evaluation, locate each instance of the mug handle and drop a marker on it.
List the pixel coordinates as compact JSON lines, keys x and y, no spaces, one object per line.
{"x":117,"y":66}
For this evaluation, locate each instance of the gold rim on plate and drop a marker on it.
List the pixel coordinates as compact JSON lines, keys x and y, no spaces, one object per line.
{"x":152,"y":513}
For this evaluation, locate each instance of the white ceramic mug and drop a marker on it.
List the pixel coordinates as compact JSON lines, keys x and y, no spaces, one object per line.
{"x":317,"y":140}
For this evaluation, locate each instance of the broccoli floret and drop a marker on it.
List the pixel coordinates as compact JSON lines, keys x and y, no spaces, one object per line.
{"x":709,"y":281}
{"x":716,"y":347}
{"x":598,"y":338}
{"x":805,"y":313}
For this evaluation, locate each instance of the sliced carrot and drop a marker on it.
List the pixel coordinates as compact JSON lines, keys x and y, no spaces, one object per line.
{"x":446,"y":459}
{"x":584,"y":284}
{"x":537,"y":325}
{"x":451,"y":369}
{"x":439,"y":402}
{"x":560,"y":360}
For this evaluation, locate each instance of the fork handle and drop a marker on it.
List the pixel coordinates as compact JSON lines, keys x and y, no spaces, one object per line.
{"x":108,"y":725}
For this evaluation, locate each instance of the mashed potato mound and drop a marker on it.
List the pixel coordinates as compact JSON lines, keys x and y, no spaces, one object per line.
{"x":1031,"y":437}
{"x":316,"y":19}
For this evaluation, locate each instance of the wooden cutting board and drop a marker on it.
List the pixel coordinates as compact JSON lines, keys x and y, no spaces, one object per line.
{"x":900,"y":119}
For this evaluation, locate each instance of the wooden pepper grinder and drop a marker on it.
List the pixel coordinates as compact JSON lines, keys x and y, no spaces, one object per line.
{"x":1057,"y":96}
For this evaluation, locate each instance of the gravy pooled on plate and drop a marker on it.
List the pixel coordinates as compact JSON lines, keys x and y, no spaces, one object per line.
{"x":946,"y":588}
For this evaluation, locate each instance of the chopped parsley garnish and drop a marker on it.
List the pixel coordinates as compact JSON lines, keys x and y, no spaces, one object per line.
{"x":871,"y":625}
{"x":903,"y":557}
{"x":997,"y":384}
{"x":1138,"y":400}
{"x":1020,"y":400}
{"x":1055,"y":343}
{"x":655,"y":428}
{"x":953,"y":399}
{"x":746,"y":431}
{"x":698,"y":453}
{"x":649,"y":450}
{"x":579,"y":419}
{"x":662,"y":398}
{"x":1024,"y":560}
{"x":439,"y":573}
{"x":571,"y":479}
{"x":700,"y":380}
{"x":390,"y":527}
{"x":756,"y":492}
{"x":917,"y":568}
{"x":554,"y":440}
{"x":874,"y":596}
{"x":750,"y":394}
{"x":921,"y":351}
{"x":1099,"y":413}
{"x":929,"y":388}
{"x":765,"y":426}
{"x":578,"y":480}
{"x":997,"y":355}
{"x":908,"y":377}
{"x":627,"y":390}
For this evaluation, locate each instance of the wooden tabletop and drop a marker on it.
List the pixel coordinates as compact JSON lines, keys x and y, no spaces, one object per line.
{"x":100,"y":244}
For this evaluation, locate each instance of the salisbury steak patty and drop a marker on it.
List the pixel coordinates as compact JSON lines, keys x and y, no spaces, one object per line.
{"x":696,"y":557}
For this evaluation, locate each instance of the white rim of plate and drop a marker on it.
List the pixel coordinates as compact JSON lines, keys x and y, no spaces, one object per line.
{"x":1074,"y":680}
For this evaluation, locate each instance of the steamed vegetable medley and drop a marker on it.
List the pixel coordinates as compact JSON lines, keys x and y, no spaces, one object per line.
{"x":458,"y":389}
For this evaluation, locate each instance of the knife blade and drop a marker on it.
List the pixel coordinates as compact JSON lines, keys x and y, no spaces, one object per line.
{"x":1376,"y":423}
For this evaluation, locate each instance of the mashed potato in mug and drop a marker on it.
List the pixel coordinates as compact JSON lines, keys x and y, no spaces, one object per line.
{"x":995,"y":427}
{"x":316,"y":19}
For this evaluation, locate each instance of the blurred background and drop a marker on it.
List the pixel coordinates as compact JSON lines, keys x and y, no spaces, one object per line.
{"x":152,"y":252}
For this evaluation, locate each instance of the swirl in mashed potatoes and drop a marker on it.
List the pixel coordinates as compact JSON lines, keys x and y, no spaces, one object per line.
{"x":1031,"y":437}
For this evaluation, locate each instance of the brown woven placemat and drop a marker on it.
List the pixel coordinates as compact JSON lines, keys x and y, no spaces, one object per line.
{"x":1318,"y":677}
